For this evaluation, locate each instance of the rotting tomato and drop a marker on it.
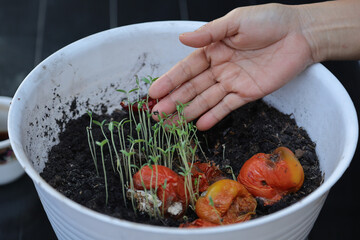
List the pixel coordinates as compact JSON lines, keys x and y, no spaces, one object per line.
{"x":225,"y":202}
{"x":169,"y":185}
{"x":271,"y":176}
{"x":205,"y":174}
{"x":135,"y":106}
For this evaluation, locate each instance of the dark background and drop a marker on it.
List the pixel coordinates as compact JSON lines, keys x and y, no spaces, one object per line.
{"x":32,"y":30}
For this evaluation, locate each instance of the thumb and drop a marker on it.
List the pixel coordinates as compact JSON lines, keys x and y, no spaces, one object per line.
{"x":214,"y":31}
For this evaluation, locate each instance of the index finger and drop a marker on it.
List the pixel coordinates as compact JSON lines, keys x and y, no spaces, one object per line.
{"x":183,"y":71}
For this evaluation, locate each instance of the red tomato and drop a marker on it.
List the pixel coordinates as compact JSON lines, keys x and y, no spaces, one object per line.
{"x":271,"y":176}
{"x":206,"y":174}
{"x":155,"y":177}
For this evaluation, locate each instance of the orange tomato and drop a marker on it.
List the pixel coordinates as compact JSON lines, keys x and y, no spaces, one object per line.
{"x":226,"y":201}
{"x":271,"y":176}
{"x":154,"y":177}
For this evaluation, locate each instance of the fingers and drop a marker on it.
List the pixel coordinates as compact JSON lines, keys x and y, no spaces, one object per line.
{"x":186,"y":92}
{"x":211,"y":32}
{"x":228,"y":104}
{"x":183,"y":71}
{"x":205,"y":101}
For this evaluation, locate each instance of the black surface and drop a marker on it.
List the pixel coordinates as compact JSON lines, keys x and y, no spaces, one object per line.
{"x":24,"y":41}
{"x":17,"y":42}
{"x":21,"y":213}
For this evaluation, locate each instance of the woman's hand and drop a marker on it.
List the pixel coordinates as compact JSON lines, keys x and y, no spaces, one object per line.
{"x":241,"y":57}
{"x":253,"y":51}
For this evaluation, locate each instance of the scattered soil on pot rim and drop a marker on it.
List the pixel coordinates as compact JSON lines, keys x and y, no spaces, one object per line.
{"x":253,"y":128}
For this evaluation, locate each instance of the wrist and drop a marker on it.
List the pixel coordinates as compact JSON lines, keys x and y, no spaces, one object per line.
{"x":332,"y":29}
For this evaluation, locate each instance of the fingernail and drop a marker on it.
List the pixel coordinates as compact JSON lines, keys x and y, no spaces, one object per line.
{"x":185,"y":33}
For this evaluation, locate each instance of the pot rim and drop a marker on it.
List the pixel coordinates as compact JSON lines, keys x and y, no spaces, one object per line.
{"x":332,"y":84}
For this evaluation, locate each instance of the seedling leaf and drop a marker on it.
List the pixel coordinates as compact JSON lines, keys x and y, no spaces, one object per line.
{"x":97,"y":122}
{"x":133,"y":90}
{"x":145,"y":80}
{"x":121,"y":90}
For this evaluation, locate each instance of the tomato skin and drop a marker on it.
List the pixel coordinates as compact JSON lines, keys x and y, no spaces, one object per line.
{"x":206,"y":174}
{"x":271,"y":176}
{"x":154,"y":177}
{"x":174,"y":188}
{"x":231,"y":203}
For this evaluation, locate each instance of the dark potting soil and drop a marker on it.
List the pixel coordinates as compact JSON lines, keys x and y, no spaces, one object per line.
{"x":251,"y":129}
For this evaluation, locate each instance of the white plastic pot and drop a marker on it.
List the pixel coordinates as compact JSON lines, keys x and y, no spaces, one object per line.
{"x":91,"y":69}
{"x":10,"y":169}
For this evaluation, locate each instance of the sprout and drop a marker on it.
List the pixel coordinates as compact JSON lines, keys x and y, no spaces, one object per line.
{"x":101,"y":144}
{"x":157,"y":144}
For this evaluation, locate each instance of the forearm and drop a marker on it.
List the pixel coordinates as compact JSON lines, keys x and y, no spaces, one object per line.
{"x":332,"y":29}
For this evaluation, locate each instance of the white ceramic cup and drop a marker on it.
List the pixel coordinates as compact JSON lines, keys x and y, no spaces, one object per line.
{"x":10,"y":169}
{"x":92,"y":68}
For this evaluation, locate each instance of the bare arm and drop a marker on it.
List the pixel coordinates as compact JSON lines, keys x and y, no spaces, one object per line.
{"x":253,"y":51}
{"x":332,"y":29}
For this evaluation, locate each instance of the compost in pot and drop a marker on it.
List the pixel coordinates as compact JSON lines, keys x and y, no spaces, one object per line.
{"x":130,"y":167}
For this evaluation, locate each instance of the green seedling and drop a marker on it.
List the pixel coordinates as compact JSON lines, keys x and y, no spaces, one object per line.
{"x":232,"y":172}
{"x":166,"y":143}
{"x":101,"y":144}
{"x":211,"y":203}
{"x":91,"y":143}
{"x":101,"y":125}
